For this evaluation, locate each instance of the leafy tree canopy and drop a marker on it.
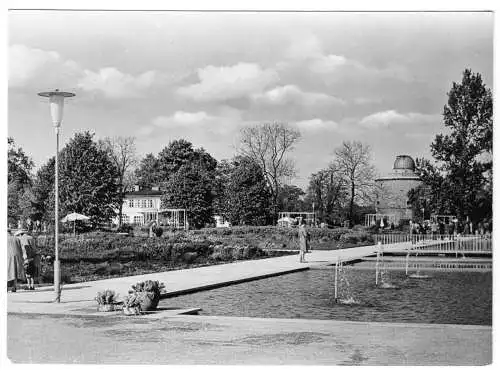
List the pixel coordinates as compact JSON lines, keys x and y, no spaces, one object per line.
{"x":464,"y":155}
{"x":19,"y":164}
{"x":190,"y":188}
{"x":88,"y":179}
{"x":248,"y":195}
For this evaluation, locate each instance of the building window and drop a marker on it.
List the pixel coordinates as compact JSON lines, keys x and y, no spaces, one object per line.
{"x":131,"y":203}
{"x":137,"y":219}
{"x":143,"y":203}
{"x":125,"y":219}
{"x":150,"y":203}
{"x":150,"y":216}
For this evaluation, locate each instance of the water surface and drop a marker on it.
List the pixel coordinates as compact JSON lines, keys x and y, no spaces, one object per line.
{"x":445,"y":297}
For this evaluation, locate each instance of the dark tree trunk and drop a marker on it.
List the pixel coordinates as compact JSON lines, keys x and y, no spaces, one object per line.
{"x":351,"y":206}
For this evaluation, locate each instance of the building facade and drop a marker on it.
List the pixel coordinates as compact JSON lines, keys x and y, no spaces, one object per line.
{"x":141,"y":206}
{"x":392,"y":190}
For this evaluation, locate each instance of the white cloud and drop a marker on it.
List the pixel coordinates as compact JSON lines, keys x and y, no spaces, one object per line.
{"x":224,"y":122}
{"x":32,"y":66}
{"x":306,"y":55}
{"x":223,"y":83}
{"x":291,"y":94}
{"x":316,"y":125}
{"x":48,"y":69}
{"x":181,"y":118}
{"x":386,"y":118}
{"x":328,"y":64}
{"x":115,"y":84}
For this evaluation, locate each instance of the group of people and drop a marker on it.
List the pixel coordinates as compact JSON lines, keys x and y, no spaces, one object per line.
{"x":451,"y":228}
{"x":23,"y":260}
{"x":35,"y":226}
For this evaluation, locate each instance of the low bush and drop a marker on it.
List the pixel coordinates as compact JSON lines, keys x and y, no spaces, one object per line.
{"x":158,"y":231}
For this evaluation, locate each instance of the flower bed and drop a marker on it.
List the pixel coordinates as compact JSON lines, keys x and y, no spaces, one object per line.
{"x":96,"y":255}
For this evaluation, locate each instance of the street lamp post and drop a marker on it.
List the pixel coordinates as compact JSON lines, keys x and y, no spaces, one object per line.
{"x":56,"y":101}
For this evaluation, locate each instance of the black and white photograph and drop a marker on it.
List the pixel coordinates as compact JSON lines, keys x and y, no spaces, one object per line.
{"x":249,"y":187}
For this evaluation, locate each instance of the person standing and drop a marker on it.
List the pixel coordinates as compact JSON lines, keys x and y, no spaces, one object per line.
{"x":434,"y":230}
{"x":30,"y":256}
{"x":466,"y":228}
{"x":412,"y":232}
{"x":303,"y":242}
{"x":15,"y":267}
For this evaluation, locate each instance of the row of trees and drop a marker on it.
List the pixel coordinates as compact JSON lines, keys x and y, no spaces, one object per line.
{"x":345,"y":189}
{"x":95,"y":175}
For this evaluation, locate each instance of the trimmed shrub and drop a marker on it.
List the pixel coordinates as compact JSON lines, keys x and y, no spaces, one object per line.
{"x":158,"y":231}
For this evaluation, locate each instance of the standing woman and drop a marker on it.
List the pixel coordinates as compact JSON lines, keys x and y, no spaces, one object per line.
{"x":31,"y":257}
{"x":15,"y":267}
{"x":303,"y":241}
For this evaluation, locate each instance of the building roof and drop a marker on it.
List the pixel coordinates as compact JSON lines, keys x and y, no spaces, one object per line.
{"x":144,"y":192}
{"x":404,"y":162}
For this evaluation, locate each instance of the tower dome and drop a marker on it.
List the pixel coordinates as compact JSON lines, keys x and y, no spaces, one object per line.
{"x":404,"y":162}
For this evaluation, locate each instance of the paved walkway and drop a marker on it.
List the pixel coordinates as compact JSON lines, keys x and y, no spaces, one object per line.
{"x":32,"y":338}
{"x":77,"y":298}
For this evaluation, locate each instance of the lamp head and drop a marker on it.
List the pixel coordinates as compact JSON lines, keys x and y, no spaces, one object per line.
{"x":56,"y":101}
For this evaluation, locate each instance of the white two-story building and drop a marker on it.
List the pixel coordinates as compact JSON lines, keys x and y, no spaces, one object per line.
{"x":141,"y":206}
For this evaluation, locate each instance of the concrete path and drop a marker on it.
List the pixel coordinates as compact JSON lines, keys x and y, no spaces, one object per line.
{"x":33,"y":338}
{"x":77,"y":298}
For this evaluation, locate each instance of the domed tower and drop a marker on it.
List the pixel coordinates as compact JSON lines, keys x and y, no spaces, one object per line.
{"x":392,"y":192}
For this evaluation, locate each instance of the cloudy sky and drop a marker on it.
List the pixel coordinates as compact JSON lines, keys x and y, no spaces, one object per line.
{"x":380,"y":78}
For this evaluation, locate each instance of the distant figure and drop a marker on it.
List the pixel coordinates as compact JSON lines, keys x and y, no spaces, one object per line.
{"x":303,"y":241}
{"x":434,"y":230}
{"x":441,"y":227}
{"x":30,"y":257}
{"x":152,"y":229}
{"x":15,"y":267}
{"x":466,"y":228}
{"x":480,"y":227}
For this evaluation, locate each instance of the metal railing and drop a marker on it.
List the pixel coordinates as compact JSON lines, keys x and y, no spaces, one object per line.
{"x":432,"y":243}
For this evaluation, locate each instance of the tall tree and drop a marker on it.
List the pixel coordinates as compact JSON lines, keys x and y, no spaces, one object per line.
{"x":148,"y":173}
{"x":269,"y":145}
{"x":43,"y":192}
{"x":291,"y":199}
{"x":465,"y":154}
{"x":353,"y":159}
{"x":327,"y":190}
{"x":19,"y":166}
{"x":179,"y":153}
{"x":221,"y":183}
{"x":88,"y":179}
{"x":248,"y":194}
{"x":191,"y":188}
{"x":431,"y":196}
{"x":121,"y":151}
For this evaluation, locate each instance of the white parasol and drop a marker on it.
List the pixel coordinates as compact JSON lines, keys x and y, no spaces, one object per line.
{"x":73,"y":217}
